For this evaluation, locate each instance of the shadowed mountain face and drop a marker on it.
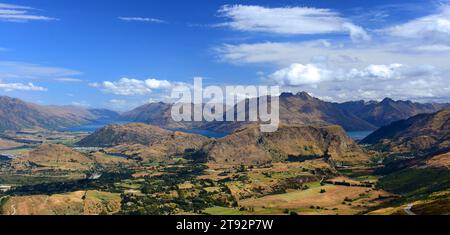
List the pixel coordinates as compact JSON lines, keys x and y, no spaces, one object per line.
{"x":419,"y":133}
{"x":18,"y":115}
{"x":384,"y":113}
{"x":300,"y":109}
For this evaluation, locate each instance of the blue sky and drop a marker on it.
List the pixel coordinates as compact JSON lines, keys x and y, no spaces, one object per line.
{"x":120,"y":54}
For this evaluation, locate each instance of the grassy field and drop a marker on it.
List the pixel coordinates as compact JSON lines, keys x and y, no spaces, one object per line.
{"x":328,"y":199}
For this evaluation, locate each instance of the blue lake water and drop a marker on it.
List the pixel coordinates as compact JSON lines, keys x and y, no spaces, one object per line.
{"x":356,"y":135}
{"x":359,"y":135}
{"x":92,"y":127}
{"x":207,"y":133}
{"x":99,"y":124}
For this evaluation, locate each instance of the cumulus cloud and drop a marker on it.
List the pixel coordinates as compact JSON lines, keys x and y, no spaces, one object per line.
{"x":16,"y":13}
{"x":132,"y":87}
{"x":20,"y":87}
{"x":289,"y":21}
{"x":141,"y":19}
{"x":383,"y":72}
{"x":299,"y":74}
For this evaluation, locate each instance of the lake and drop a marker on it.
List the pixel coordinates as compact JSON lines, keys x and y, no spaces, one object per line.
{"x":359,"y":135}
{"x":207,"y":133}
{"x":90,"y":128}
{"x":356,"y":135}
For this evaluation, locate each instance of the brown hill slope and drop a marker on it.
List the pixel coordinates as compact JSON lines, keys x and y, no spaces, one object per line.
{"x":144,"y":141}
{"x":420,"y":133}
{"x":53,"y":157}
{"x":134,"y":133}
{"x":294,"y":142}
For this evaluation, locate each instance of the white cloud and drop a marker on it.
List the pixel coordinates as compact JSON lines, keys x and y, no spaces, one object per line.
{"x":433,"y":48}
{"x":83,"y":104}
{"x":373,"y":82}
{"x":309,"y":74}
{"x":157,"y":84}
{"x":289,"y":21}
{"x":142,"y":19}
{"x":299,"y":74}
{"x":68,"y":80}
{"x":335,"y":54}
{"x":20,"y":70}
{"x":132,"y":87}
{"x":432,"y":28}
{"x":118,"y":102}
{"x":20,"y":87}
{"x":382,"y":72}
{"x":16,"y":13}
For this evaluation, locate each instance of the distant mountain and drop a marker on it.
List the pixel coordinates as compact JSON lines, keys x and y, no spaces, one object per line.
{"x":423,"y":132}
{"x":158,"y":114}
{"x":16,"y":115}
{"x":250,"y":146}
{"x":305,"y":109}
{"x":105,"y":114}
{"x":300,"y":108}
{"x":387,"y":111}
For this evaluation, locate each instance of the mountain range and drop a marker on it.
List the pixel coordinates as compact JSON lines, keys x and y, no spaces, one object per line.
{"x":295,"y":109}
{"x":300,"y":109}
{"x":18,"y":115}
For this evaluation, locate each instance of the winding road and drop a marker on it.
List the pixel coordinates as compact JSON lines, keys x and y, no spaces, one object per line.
{"x":13,"y":208}
{"x":408,"y":210}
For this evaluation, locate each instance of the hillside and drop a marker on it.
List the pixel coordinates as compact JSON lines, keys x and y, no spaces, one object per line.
{"x":17,"y":115}
{"x":143,"y":141}
{"x":53,"y":157}
{"x":420,"y":133}
{"x":134,"y":133}
{"x":294,"y":143}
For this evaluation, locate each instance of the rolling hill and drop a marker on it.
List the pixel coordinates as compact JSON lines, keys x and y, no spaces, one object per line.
{"x":249,"y":146}
{"x":146,"y":142}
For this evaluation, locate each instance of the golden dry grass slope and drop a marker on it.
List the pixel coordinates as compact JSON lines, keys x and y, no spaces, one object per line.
{"x":144,"y":141}
{"x":53,"y":157}
{"x":250,"y":146}
{"x":75,"y":203}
